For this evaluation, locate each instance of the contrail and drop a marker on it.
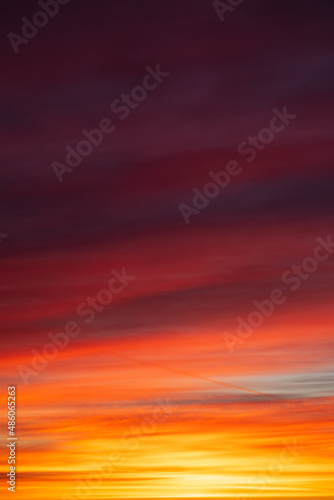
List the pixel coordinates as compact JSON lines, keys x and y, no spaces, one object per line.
{"x":200,"y":377}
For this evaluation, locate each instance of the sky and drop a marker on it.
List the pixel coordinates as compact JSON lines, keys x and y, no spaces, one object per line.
{"x":124,"y":286}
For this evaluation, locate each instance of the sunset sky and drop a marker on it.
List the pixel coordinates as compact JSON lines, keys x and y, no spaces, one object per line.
{"x":155,"y":395}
